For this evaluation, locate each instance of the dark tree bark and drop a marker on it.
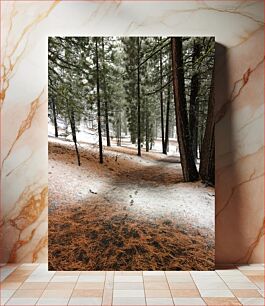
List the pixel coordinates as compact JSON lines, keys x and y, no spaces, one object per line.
{"x":194,"y":105}
{"x":71,"y":117}
{"x":207,"y":161}
{"x":54,"y":117}
{"x":73,"y":129}
{"x":161,"y":103}
{"x":98,"y":107}
{"x":166,"y":144}
{"x":146,"y":127}
{"x":105,"y":96}
{"x":189,"y":169}
{"x":138,"y":99}
{"x":118,"y":130}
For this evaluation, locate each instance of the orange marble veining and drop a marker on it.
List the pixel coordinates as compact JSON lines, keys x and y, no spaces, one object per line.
{"x":7,"y":61}
{"x":29,"y":207}
{"x":239,"y":29}
{"x":31,"y":210}
{"x":246,"y":257}
{"x":43,"y":243}
{"x":237,"y":88}
{"x":25,"y":124}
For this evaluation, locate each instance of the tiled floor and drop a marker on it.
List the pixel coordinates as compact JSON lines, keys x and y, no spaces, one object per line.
{"x":33,"y":284}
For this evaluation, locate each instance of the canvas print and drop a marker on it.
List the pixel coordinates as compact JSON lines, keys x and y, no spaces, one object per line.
{"x":131,"y":153}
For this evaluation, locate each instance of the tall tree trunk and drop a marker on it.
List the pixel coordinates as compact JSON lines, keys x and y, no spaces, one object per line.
{"x":54,"y":118}
{"x":207,"y":162}
{"x":72,"y":123}
{"x":138,"y":99}
{"x":146,"y":126}
{"x":167,"y":116}
{"x":118,"y":129}
{"x":98,"y":107}
{"x":194,"y":105}
{"x":71,"y":117}
{"x":189,"y":169}
{"x":161,"y":103}
{"x":105,"y":96}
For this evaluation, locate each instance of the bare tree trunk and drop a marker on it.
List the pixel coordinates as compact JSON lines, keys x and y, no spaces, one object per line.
{"x":98,"y":108}
{"x":189,"y":169}
{"x":207,"y":161}
{"x":72,"y":123}
{"x":105,"y":97}
{"x":146,"y":127}
{"x":138,"y":98}
{"x":118,"y":129}
{"x":161,"y":102}
{"x":167,"y":117}
{"x":194,"y":105}
{"x":54,"y":118}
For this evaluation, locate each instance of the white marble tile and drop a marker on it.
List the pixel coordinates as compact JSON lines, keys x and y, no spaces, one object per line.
{"x":128,"y":293}
{"x":128,"y":286}
{"x":53,"y":301}
{"x":241,"y":285}
{"x":85,"y":301}
{"x":215,"y":293}
{"x":188,"y":301}
{"x":6,"y":270}
{"x":153,"y":273}
{"x":261,"y":292}
{"x":229,"y":272}
{"x":211,"y":285}
{"x":3,"y":300}
{"x":63,"y":279}
{"x":91,"y":278}
{"x":5,"y":293}
{"x":123,"y":301}
{"x":235,"y":279}
{"x":159,"y":301}
{"x":128,"y":279}
{"x":251,"y":301}
{"x":22,"y":301}
{"x":39,"y":278}
{"x":251,"y":267}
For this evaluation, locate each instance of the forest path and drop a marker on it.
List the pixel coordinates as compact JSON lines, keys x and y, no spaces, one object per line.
{"x":130,"y":206}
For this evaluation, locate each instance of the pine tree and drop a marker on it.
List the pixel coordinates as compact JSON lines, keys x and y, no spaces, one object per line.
{"x":189,"y":169}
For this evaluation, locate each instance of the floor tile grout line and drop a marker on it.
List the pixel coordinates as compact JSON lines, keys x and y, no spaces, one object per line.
{"x":102,"y":295}
{"x":74,"y":288}
{"x":15,"y":290}
{"x":164,"y":275}
{"x":169,"y":289}
{"x":145,"y":298}
{"x":112,"y":290}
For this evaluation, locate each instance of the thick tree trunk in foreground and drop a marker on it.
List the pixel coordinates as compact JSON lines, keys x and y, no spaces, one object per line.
{"x":207,"y":164}
{"x":189,"y":169}
{"x":138,"y":99}
{"x":105,"y":97}
{"x":98,"y":108}
{"x":194,"y":105}
{"x":54,"y":118}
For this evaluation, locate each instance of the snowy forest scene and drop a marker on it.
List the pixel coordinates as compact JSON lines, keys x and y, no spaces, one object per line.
{"x":131,"y":153}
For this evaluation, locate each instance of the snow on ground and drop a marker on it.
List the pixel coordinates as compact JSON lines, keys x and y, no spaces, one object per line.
{"x":124,"y":198}
{"x":151,"y":185}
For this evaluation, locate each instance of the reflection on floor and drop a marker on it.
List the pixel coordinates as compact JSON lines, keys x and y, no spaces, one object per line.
{"x":33,"y":284}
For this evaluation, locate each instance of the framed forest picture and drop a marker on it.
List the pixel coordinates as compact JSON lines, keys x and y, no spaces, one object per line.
{"x":131,"y":153}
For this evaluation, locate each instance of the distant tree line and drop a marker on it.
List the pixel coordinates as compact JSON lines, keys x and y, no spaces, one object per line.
{"x":144,"y":87}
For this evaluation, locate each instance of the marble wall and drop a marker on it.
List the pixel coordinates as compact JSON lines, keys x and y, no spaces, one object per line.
{"x":238,"y":27}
